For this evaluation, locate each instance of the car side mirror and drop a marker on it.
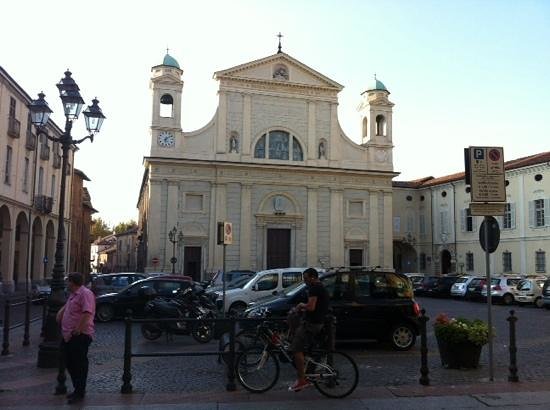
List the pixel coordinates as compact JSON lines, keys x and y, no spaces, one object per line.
{"x":274,"y":293}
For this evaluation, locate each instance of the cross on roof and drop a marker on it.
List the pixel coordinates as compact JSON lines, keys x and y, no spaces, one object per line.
{"x":280,"y":36}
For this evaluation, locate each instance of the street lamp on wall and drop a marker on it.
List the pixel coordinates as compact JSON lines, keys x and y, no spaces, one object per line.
{"x":175,"y":237}
{"x":69,"y":92}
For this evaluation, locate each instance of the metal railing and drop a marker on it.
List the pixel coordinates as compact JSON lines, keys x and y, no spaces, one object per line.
{"x":7,"y":328}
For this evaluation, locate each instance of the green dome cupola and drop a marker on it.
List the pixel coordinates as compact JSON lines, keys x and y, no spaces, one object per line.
{"x":170,"y":61}
{"x":377,"y":85}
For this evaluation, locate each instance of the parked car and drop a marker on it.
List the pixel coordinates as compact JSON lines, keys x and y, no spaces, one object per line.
{"x":474,"y":289}
{"x":264,"y":283}
{"x":136,"y":295}
{"x":530,"y":291}
{"x":238,"y":282}
{"x":367,"y":304}
{"x":416,"y":279}
{"x":460,"y":287}
{"x":546,"y":294}
{"x":503,"y":289}
{"x":217,"y":280}
{"x":113,"y":282}
{"x":437,"y":286}
{"x":41,"y":289}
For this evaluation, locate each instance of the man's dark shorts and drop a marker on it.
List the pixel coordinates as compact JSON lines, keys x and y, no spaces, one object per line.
{"x":304,"y":336}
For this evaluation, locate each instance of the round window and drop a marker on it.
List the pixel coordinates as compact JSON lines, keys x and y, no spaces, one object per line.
{"x":538,"y":177}
{"x":409,"y":198}
{"x":444,"y":194}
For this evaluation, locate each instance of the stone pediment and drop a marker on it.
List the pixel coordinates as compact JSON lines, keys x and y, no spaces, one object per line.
{"x":281,"y":69}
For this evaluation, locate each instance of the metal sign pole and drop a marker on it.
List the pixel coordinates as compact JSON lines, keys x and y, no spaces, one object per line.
{"x":489,"y":299}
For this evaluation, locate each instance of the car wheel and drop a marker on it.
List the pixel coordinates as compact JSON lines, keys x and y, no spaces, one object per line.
{"x":508,"y":299}
{"x":402,"y":337}
{"x":105,"y":313}
{"x":237,"y":309}
{"x":539,"y":303}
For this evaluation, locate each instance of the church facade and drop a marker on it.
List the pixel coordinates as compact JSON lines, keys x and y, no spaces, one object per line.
{"x":275,"y":163}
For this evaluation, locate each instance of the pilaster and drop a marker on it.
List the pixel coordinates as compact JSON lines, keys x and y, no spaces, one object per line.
{"x":247,"y":121}
{"x":312,"y":233}
{"x":222,"y":123}
{"x":388,"y":230}
{"x":311,"y":131}
{"x":336,"y":227}
{"x":374,"y":248}
{"x":246,"y":226}
{"x":334,"y":146}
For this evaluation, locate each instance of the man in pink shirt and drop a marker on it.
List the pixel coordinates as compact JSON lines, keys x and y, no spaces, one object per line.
{"x":77,"y":328}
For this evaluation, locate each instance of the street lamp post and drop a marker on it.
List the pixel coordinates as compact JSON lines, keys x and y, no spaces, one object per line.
{"x":174,"y":237}
{"x":69,"y":92}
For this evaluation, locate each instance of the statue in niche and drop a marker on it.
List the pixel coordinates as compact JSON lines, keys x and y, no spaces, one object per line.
{"x":322,"y":150}
{"x":233,"y":144}
{"x":280,"y":73}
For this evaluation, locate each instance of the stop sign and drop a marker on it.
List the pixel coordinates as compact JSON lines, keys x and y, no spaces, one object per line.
{"x":494,"y":234}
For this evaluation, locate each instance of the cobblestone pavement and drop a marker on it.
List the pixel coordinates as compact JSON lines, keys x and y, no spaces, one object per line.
{"x":379,"y":365}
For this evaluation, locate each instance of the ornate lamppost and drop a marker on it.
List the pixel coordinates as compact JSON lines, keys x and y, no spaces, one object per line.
{"x":174,"y":237}
{"x":69,"y":92}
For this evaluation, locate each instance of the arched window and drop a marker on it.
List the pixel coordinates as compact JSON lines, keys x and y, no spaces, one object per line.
{"x":365,"y":127}
{"x":380,"y":125}
{"x":279,"y":146}
{"x":166,"y":106}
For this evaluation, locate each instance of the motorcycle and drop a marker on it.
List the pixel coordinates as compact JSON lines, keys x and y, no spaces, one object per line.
{"x":186,"y":305}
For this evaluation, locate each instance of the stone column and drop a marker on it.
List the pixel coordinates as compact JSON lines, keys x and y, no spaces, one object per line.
{"x":336,"y":227}
{"x":388,"y":230}
{"x":374,"y":249}
{"x":153,"y":227}
{"x":247,"y":119}
{"x":334,"y":148}
{"x":311,"y":131}
{"x":246,"y":226}
{"x":312,"y":232}
{"x":222,"y":123}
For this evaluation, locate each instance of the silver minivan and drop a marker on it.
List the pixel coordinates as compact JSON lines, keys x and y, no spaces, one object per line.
{"x":460,"y":287}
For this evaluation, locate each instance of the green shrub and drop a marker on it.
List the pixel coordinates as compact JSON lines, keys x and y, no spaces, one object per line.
{"x":461,"y":330}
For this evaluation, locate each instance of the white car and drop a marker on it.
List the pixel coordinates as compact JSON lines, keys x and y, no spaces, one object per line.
{"x":530,"y":291}
{"x":264,"y":283}
{"x":460,"y":287}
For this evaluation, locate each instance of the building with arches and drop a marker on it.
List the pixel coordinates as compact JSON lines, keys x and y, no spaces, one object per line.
{"x":275,"y":162}
{"x":30,"y":173}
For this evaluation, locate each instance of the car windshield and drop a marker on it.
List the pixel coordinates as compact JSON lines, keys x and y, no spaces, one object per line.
{"x":239,"y":282}
{"x":495,"y":281}
{"x":524,"y":285}
{"x":463,"y":279}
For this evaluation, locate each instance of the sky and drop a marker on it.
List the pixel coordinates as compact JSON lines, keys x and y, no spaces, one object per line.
{"x":461,"y":73}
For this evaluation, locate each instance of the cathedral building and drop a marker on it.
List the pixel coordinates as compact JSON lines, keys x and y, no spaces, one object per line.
{"x":274,"y":162}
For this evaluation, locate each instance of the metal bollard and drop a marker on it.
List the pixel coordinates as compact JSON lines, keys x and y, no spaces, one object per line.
{"x":26,"y":341}
{"x":127,"y":375}
{"x":6,"y":341}
{"x":424,"y":379}
{"x":513,"y":376}
{"x":231,"y":362}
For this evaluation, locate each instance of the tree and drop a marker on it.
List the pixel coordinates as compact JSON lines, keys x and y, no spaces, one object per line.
{"x":99,"y":228}
{"x":124,"y":226}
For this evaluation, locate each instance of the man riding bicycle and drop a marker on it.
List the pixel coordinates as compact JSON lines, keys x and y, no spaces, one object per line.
{"x":315,"y":309}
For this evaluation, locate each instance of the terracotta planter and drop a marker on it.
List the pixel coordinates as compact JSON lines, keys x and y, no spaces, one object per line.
{"x":459,"y":355}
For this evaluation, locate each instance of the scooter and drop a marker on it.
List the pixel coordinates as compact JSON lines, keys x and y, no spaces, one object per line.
{"x":186,"y":305}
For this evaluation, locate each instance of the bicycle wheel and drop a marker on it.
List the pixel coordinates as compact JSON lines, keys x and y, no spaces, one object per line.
{"x":340,"y":377}
{"x":257,"y":369}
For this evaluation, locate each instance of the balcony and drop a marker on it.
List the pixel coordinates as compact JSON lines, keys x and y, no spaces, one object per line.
{"x":43,"y":203}
{"x":14,"y":127}
{"x":30,"y":142}
{"x":44,"y":152}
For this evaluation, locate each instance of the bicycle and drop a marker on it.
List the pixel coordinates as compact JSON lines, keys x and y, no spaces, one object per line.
{"x":333,"y":373}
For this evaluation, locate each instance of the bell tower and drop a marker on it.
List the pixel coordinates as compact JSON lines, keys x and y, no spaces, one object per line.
{"x":376,"y":113}
{"x":376,"y":110}
{"x":166,"y":85}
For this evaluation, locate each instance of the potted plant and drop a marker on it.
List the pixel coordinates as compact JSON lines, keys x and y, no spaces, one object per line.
{"x":460,"y":341}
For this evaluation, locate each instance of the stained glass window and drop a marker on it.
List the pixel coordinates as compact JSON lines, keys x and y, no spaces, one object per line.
{"x":278,"y":145}
{"x":259,"y":151}
{"x":297,"y":154}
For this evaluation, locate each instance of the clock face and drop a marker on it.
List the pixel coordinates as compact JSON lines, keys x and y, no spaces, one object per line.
{"x":166,"y":139}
